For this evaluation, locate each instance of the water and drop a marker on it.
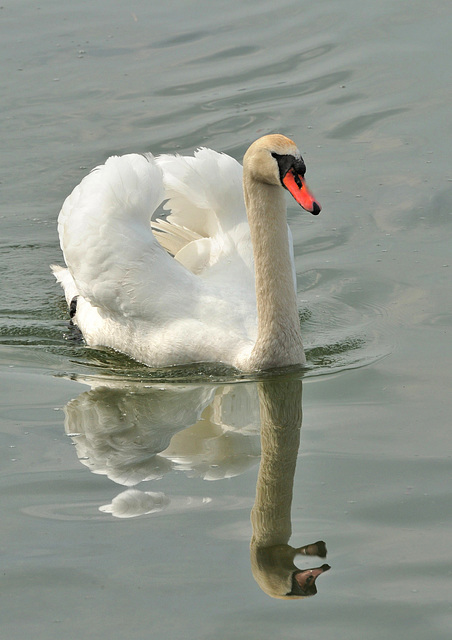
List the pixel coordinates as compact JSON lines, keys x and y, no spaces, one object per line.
{"x":118,"y":519}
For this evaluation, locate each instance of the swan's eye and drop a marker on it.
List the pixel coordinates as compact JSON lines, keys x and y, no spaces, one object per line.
{"x":285,"y":163}
{"x":288,"y":163}
{"x":297,"y":179}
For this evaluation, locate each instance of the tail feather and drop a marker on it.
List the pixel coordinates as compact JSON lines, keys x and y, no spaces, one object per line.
{"x":64,"y":277}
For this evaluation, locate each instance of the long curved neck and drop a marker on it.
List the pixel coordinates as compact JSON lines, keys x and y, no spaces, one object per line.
{"x":279,"y":337}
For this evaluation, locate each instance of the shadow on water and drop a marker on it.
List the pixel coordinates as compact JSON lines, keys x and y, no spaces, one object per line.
{"x":140,"y":432}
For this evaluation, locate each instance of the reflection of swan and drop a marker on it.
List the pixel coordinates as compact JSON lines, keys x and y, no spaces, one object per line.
{"x":272,"y":558}
{"x":136,"y":433}
{"x":119,"y":432}
{"x":225,"y":443}
{"x":133,"y":503}
{"x":228,"y":293}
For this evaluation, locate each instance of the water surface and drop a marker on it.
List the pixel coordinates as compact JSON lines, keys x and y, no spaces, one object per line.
{"x":128,"y":492}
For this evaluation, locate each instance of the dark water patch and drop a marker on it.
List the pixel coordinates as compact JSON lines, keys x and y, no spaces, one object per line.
{"x":322,"y":242}
{"x":182,"y":38}
{"x":105,"y":364}
{"x":357,"y":125}
{"x":435,"y":212}
{"x":313,"y":278}
{"x":441,"y":319}
{"x":332,"y":355}
{"x":232,"y":52}
{"x":239,"y":122}
{"x":268,"y":95}
{"x":289,"y":64}
{"x":347,"y":98}
{"x":28,"y":335}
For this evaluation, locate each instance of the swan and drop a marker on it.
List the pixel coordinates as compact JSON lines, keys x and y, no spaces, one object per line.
{"x":212,"y":281}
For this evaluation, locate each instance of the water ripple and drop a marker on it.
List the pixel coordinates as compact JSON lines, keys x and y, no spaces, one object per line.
{"x":360,"y":123}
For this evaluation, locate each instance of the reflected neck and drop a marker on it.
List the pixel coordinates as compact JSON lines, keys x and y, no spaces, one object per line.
{"x":281,"y":415}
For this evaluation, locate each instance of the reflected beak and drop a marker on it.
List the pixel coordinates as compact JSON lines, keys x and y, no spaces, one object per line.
{"x":305,"y":580}
{"x":298,"y":188}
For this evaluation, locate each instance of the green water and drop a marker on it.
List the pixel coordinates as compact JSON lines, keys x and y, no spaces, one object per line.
{"x":127,"y":492}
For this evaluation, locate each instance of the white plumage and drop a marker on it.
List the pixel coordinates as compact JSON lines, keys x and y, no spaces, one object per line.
{"x":182,"y":290}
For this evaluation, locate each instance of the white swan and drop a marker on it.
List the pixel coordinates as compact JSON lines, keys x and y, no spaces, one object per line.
{"x":213,"y":282}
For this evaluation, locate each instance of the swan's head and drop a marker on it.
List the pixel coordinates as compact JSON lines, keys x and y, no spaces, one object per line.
{"x":275,"y":572}
{"x":276,"y":160}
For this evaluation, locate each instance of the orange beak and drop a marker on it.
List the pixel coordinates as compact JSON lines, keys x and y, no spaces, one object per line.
{"x":298,"y":188}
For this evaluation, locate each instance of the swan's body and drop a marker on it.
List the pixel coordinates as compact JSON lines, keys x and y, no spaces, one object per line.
{"x":214,"y":282}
